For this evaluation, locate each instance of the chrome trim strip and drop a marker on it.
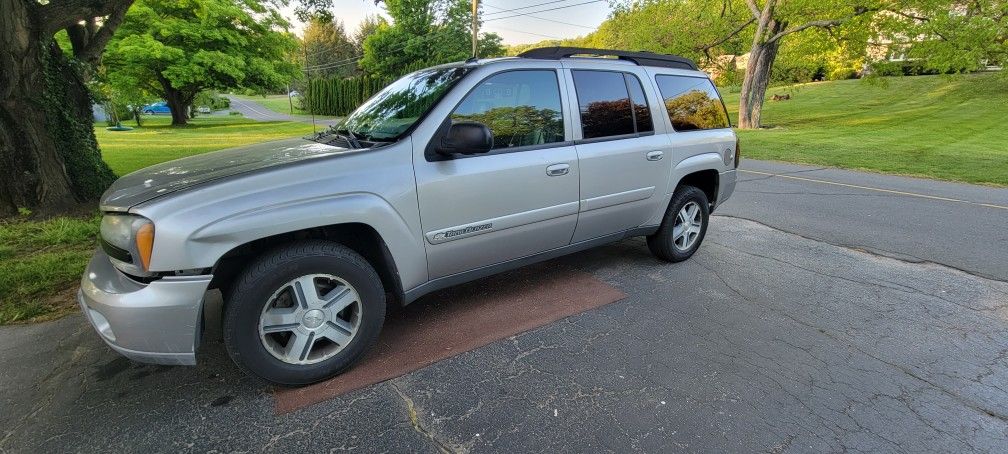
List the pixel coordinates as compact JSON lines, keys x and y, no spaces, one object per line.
{"x":501,"y":223}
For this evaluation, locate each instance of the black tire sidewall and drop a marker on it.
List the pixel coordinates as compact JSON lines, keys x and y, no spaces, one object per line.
{"x":682,"y":196}
{"x":253,"y":289}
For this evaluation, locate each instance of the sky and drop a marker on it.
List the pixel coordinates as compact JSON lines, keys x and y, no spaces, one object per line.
{"x":528,"y":25}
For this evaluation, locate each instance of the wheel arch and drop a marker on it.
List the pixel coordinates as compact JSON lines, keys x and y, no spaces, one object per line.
{"x":360,"y":237}
{"x":701,"y":171}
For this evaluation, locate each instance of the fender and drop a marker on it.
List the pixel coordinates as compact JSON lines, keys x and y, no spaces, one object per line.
{"x":217,"y":238}
{"x":695,"y":163}
{"x":193,"y":229}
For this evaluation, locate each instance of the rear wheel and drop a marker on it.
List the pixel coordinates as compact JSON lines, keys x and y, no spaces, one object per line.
{"x":684,"y":226}
{"x":303,"y":313}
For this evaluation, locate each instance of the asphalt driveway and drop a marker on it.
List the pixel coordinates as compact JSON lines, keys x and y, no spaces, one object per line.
{"x":826,"y":311}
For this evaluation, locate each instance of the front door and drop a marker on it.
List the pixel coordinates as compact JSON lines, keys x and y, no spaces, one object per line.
{"x":519,"y":199}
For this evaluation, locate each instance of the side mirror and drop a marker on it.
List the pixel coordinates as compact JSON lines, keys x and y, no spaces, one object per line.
{"x":466,"y":137}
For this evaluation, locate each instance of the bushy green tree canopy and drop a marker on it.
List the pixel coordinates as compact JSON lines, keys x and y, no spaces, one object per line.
{"x":177,"y":48}
{"x":424,"y":33}
{"x":326,"y":47}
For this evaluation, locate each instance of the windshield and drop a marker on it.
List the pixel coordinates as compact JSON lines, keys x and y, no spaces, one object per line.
{"x":391,"y":112}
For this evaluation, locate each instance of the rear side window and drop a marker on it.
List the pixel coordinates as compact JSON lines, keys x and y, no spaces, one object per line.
{"x":692,"y":103}
{"x":521,"y":108}
{"x":611,"y":104}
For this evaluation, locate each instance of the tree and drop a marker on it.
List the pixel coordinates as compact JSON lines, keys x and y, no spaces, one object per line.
{"x":773,"y":23}
{"x":327,"y":48}
{"x":424,"y":33}
{"x":367,"y":27}
{"x":50,"y":158}
{"x":178,"y":48}
{"x":49,"y":153}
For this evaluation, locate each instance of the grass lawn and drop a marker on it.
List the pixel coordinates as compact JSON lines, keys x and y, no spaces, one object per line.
{"x":157,"y":141}
{"x":41,"y":261}
{"x":276,"y":103}
{"x":949,"y":128}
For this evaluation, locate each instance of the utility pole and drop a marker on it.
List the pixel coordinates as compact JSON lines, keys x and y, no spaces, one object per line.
{"x":308,"y":90}
{"x":475,"y":27}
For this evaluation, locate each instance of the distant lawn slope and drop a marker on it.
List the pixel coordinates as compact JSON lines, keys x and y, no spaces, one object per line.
{"x":930,"y":126}
{"x":157,"y":141}
{"x":276,"y":103}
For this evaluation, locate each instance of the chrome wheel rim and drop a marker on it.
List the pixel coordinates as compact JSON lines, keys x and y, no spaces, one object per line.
{"x":688,"y":223}
{"x":310,"y":319}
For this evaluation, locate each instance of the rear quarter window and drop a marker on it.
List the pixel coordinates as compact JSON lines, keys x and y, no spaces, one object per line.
{"x":692,"y":103}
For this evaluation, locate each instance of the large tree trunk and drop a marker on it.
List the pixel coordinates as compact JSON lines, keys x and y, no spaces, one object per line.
{"x":762,"y":54}
{"x":176,"y":102}
{"x":755,"y":83}
{"x":49,"y":155}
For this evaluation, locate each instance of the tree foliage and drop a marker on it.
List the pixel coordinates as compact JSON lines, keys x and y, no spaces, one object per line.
{"x":426,"y":33}
{"x":326,"y":47}
{"x":178,"y":48}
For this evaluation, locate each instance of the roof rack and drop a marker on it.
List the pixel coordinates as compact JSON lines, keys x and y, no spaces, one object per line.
{"x":642,"y":58}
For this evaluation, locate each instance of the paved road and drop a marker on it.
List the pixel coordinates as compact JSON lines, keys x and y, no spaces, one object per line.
{"x":957,"y":225}
{"x":789,"y":332}
{"x":256,"y":111}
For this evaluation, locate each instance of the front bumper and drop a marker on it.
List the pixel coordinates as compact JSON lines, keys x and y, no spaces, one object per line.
{"x":155,"y":323}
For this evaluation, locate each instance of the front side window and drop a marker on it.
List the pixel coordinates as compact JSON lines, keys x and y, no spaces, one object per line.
{"x":692,"y":103}
{"x":395,"y":109}
{"x":521,"y":108}
{"x":611,"y":104}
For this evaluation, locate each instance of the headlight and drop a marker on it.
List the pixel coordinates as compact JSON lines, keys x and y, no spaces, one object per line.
{"x":129,"y":241}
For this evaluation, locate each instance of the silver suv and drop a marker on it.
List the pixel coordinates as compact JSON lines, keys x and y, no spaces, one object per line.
{"x":447,"y":175}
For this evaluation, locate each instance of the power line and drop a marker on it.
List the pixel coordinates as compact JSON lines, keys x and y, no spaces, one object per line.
{"x":527,"y":33}
{"x":543,"y":10}
{"x":526,"y":7}
{"x":543,"y":19}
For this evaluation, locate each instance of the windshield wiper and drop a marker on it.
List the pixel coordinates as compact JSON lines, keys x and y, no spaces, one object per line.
{"x":349,"y":136}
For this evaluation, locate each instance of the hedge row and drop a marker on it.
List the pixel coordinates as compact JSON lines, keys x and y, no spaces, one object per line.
{"x":338,"y":96}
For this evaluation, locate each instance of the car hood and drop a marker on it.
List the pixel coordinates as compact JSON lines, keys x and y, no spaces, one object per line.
{"x":185,"y":173}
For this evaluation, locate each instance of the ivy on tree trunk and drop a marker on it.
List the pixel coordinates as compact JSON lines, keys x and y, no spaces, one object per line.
{"x":48,"y":151}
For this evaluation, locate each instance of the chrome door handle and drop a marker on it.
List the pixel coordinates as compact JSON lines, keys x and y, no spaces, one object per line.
{"x":556,"y":170}
{"x":655,"y":155}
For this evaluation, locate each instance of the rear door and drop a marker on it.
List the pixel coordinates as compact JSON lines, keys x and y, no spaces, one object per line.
{"x":624,"y":164}
{"x":519,"y":199}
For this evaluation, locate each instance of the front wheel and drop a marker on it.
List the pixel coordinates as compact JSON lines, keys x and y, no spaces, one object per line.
{"x":684,"y":226}
{"x":303,"y":313}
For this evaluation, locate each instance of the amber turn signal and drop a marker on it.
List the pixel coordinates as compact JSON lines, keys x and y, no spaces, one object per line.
{"x":145,"y":244}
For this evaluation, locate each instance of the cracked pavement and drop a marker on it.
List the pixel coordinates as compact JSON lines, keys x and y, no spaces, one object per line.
{"x":779,"y":335}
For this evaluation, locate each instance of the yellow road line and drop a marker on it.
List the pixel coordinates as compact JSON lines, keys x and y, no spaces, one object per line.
{"x":869,"y":188}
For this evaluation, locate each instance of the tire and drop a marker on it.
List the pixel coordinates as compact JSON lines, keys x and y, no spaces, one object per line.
{"x":664,"y":243}
{"x":282,"y":331}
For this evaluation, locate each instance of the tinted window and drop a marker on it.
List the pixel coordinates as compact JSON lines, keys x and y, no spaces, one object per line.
{"x":642,"y":113}
{"x":604,"y":103}
{"x":520,"y":108}
{"x":692,"y":103}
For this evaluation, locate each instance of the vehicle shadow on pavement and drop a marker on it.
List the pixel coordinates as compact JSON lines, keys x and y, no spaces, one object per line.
{"x":460,"y":319}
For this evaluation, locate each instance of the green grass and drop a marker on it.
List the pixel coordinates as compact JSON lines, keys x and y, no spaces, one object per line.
{"x":276,"y":103}
{"x":948,"y":128}
{"x":40,"y":265}
{"x":41,"y":262}
{"x":157,"y":141}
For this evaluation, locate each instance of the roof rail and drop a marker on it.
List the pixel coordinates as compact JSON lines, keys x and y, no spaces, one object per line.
{"x":642,"y":58}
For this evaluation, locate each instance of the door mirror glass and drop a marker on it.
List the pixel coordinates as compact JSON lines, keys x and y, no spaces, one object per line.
{"x":467,"y":137}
